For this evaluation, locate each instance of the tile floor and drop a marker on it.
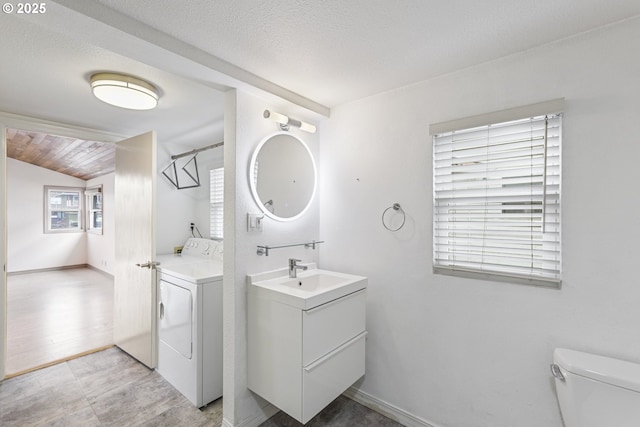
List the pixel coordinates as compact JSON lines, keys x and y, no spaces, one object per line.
{"x":342,"y":412}
{"x":109,"y":388}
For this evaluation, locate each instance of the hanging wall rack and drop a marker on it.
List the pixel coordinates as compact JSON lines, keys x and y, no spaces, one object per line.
{"x":194,"y":174}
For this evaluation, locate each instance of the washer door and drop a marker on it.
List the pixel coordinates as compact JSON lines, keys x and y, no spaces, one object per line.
{"x":176,"y":318}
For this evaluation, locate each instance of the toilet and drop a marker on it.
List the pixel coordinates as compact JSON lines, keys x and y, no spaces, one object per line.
{"x":596,"y":391}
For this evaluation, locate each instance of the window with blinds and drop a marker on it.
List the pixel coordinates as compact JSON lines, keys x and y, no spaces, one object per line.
{"x":216,"y":197}
{"x":497,"y":201}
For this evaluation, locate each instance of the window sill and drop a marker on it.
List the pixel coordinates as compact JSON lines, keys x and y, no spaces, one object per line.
{"x":496,"y":277}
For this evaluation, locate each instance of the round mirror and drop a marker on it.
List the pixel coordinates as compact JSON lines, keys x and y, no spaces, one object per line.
{"x":282,"y":176}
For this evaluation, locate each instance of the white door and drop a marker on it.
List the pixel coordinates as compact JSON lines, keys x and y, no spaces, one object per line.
{"x":3,"y":252}
{"x":134,"y":320}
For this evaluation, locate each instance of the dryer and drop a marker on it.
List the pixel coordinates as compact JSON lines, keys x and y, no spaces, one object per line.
{"x":190,"y":320}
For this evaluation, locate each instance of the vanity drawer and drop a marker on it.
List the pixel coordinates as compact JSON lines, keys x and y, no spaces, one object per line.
{"x":331,"y":325}
{"x":331,"y":375}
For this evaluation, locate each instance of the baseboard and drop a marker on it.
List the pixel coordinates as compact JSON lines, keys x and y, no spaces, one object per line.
{"x":64,"y":267}
{"x":386,"y":409}
{"x":371,"y":402}
{"x":96,"y":269}
{"x":58,"y":361}
{"x":42,"y":270}
{"x":268,"y":411}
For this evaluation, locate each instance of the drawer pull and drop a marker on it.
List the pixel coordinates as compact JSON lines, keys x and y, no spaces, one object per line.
{"x":329,"y":355}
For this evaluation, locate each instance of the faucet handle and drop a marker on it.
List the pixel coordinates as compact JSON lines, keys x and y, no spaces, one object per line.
{"x":293,"y":261}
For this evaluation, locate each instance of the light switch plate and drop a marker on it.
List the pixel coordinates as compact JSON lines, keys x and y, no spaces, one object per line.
{"x":254,"y":222}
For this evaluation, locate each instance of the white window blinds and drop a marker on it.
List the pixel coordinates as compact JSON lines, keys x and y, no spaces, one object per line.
{"x":497,"y":200}
{"x":216,"y":220}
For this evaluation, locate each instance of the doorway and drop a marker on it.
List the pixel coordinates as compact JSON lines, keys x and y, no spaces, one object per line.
{"x":98,"y":257}
{"x":59,"y":288}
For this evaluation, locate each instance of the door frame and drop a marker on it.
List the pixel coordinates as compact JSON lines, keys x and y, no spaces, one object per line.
{"x":9,"y":120}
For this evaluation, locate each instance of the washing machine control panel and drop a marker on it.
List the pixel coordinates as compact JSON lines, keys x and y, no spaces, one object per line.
{"x":202,"y":248}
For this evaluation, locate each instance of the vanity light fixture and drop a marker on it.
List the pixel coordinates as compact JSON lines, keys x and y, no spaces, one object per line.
{"x":124,"y":91}
{"x":285,"y":121}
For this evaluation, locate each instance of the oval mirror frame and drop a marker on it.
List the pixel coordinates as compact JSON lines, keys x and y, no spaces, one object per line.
{"x":254,"y":185}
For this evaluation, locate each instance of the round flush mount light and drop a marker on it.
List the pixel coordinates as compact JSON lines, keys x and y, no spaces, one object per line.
{"x":124,"y":91}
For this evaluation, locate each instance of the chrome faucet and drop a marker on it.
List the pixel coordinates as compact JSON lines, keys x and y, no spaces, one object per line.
{"x":293,"y":267}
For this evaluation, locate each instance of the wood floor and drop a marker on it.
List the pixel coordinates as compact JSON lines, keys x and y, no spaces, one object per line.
{"x":56,"y":314}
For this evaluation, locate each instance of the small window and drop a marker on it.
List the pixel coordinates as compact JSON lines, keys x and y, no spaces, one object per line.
{"x":94,"y":209}
{"x":63,"y":209}
{"x":496,"y":193}
{"x":216,"y":220}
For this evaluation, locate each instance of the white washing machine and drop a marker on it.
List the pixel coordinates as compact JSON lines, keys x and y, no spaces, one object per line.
{"x":190,"y":320}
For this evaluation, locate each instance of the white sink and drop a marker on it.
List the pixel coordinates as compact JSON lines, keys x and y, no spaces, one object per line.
{"x":311,"y":288}
{"x":315,"y":281}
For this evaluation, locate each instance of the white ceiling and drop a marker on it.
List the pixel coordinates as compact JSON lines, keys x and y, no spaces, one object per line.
{"x":330,"y":51}
{"x":335,"y":51}
{"x":45,"y":74}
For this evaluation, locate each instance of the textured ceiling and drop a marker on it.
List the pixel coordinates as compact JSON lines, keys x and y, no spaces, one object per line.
{"x":335,"y":51}
{"x":329,"y":51}
{"x":45,"y":74}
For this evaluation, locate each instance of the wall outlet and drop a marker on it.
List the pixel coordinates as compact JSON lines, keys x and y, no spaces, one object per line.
{"x":177,"y":249}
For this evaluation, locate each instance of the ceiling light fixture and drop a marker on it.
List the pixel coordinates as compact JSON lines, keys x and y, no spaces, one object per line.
{"x":124,"y":91}
{"x":285,"y":122}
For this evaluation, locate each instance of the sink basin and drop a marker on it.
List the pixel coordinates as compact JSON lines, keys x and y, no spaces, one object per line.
{"x":311,"y":288}
{"x":314,"y":281}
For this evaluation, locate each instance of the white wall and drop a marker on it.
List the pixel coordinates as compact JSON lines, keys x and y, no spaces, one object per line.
{"x":28,"y":247}
{"x":101,"y":247}
{"x":244,"y":128}
{"x":461,"y":352}
{"x":176,"y":209}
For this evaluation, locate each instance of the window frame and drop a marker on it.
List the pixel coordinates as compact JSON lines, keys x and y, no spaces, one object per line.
{"x":481,"y":270}
{"x":47,"y":209}
{"x":91,"y":194}
{"x":216,"y":203}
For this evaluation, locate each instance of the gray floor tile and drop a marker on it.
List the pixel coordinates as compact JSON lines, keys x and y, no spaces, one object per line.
{"x":34,"y":383}
{"x":342,"y":412}
{"x":213,"y":412}
{"x":101,"y":372}
{"x":109,"y":388}
{"x":137,"y":401}
{"x":82,"y":418}
{"x":179,"y":416}
{"x":44,"y":408}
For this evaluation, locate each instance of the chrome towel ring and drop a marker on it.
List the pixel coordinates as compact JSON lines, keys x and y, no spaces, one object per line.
{"x":396,"y":207}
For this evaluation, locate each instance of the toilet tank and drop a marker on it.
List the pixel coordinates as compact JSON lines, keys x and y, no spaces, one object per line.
{"x":596,"y":391}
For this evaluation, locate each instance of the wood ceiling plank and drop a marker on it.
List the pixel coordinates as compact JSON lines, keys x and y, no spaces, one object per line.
{"x":61,"y":150}
{"x":71,"y":156}
{"x":38,"y":138}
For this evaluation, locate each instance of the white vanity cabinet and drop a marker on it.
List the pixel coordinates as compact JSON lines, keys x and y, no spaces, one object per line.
{"x":300,"y":360}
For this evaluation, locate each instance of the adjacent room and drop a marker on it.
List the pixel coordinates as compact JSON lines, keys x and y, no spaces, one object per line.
{"x":60,"y":282}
